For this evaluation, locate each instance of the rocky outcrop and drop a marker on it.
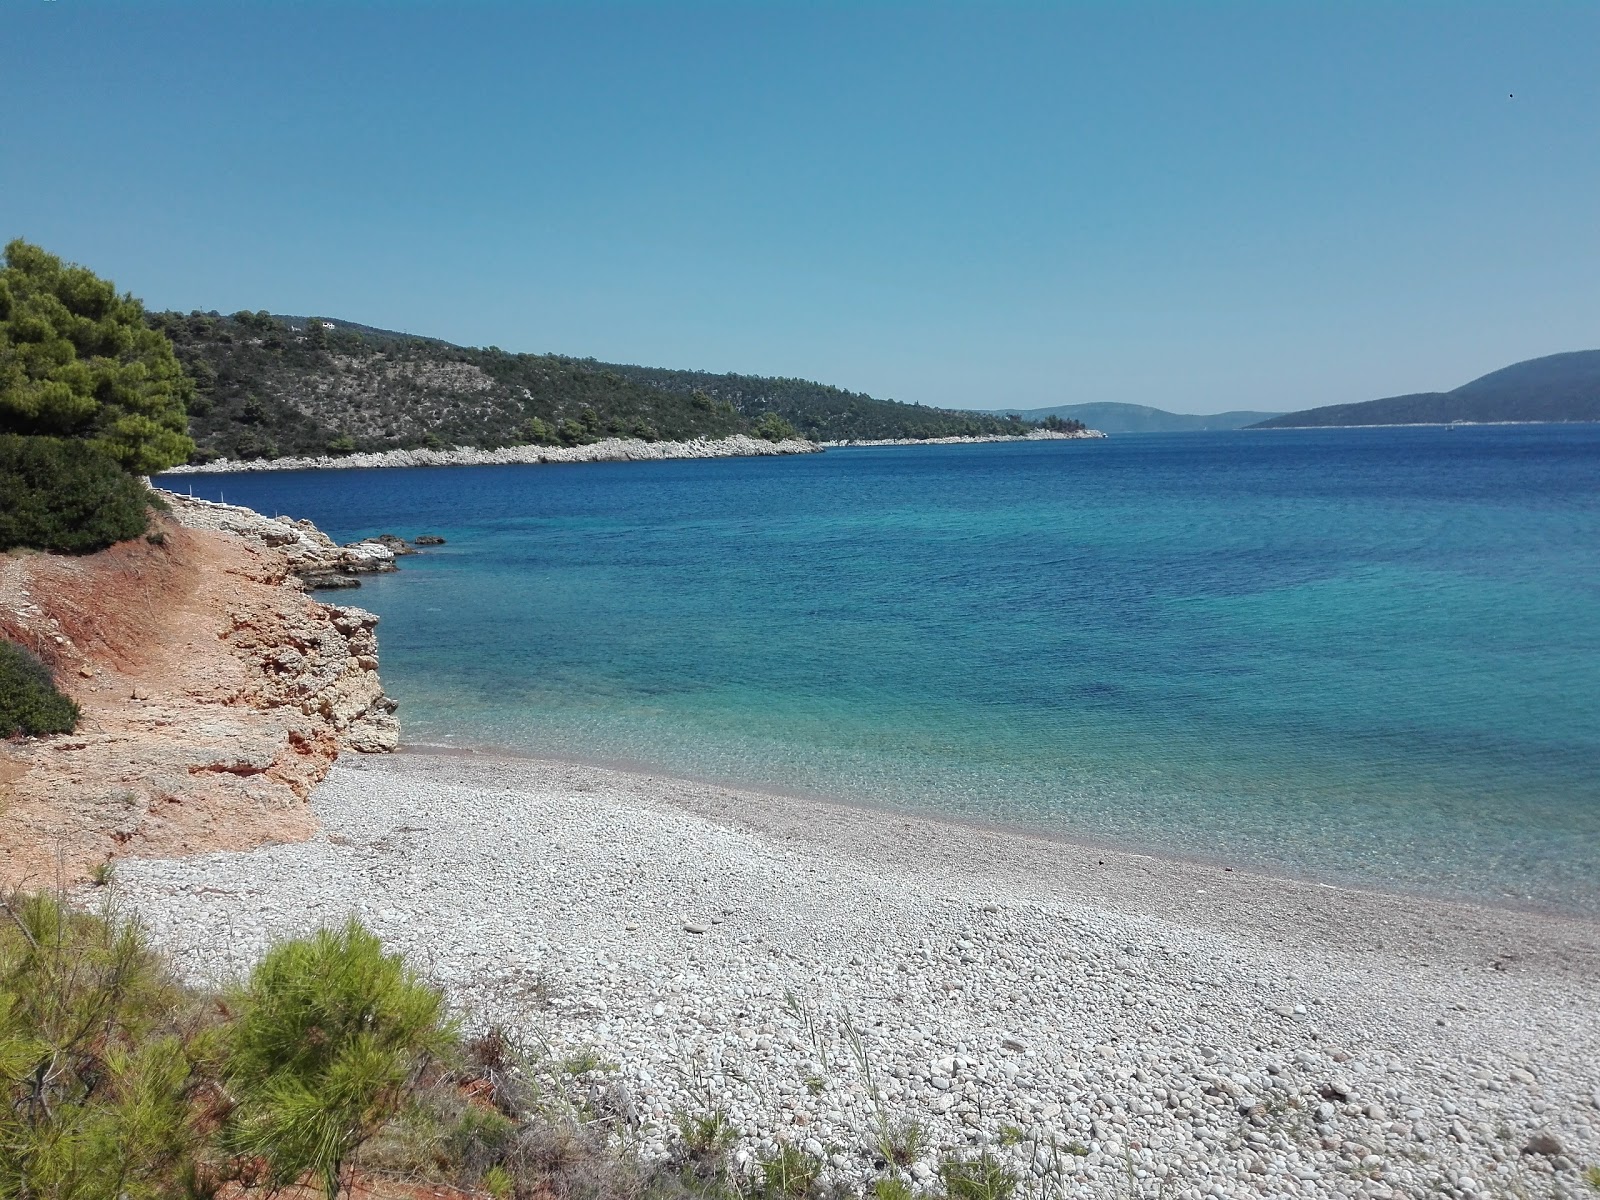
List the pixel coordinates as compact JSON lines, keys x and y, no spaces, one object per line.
{"x":608,"y":450}
{"x":327,"y":667}
{"x":215,"y":693}
{"x":306,"y":548}
{"x":395,"y":544}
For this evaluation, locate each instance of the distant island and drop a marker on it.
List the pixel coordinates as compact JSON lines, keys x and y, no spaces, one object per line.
{"x":1139,"y":418}
{"x":1558,"y":387}
{"x":270,"y":387}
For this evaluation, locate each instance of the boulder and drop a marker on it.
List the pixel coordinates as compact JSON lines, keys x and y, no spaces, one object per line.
{"x":397,"y":545}
{"x":328,"y":583}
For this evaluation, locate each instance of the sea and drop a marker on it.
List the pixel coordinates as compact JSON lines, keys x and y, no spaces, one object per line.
{"x":1363,"y":656}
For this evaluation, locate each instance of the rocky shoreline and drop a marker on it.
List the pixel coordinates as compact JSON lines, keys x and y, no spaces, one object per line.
{"x":215,"y":693}
{"x":608,"y":450}
{"x":1037,"y":435}
{"x":312,"y":556}
{"x":1107,"y":1023}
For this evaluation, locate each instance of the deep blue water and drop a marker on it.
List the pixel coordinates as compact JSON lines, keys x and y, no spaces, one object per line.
{"x":1369,"y":655}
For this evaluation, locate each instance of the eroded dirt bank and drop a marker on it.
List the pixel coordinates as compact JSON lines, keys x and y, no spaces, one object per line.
{"x":215,"y":694}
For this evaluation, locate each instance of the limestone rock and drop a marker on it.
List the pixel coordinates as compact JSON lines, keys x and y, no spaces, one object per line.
{"x":216,"y":694}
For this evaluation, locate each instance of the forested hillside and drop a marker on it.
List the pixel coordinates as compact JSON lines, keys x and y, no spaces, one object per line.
{"x":267,"y":386}
{"x":1558,"y":387}
{"x":821,"y":412}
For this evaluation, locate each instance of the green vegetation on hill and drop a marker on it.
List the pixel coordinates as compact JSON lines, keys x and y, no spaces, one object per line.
{"x":821,"y":412}
{"x":1558,"y":387}
{"x":29,"y":701}
{"x":268,"y":386}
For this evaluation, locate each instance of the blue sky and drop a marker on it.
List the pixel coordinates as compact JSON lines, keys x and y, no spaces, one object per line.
{"x":1196,"y":206}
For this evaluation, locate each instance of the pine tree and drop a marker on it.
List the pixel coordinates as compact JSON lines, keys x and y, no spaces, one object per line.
{"x":78,"y":360}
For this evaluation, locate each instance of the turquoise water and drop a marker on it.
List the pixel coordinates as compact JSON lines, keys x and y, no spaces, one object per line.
{"x":1367,"y":655}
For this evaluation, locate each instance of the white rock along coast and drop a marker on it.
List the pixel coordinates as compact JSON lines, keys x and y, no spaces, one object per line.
{"x":1034,"y":435}
{"x":1112,"y":1024}
{"x":607,"y":450}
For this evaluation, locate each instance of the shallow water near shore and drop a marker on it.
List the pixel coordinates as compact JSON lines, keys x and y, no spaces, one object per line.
{"x":1367,"y":655}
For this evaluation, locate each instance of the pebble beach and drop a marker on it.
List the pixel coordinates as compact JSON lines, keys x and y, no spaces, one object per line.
{"x":1107,"y":1023}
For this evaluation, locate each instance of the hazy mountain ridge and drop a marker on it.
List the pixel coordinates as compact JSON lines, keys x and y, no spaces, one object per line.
{"x":1555,"y":388}
{"x":1140,"y":418}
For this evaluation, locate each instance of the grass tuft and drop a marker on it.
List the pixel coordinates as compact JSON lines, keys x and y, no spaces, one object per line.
{"x":900,"y":1143}
{"x":788,"y":1173}
{"x":981,"y":1178}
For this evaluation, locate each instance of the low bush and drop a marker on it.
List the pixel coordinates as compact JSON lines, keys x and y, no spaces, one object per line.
{"x":29,"y":701}
{"x":774,"y":428}
{"x":66,"y":495}
{"x":329,"y":1037}
{"x":99,"y":1051}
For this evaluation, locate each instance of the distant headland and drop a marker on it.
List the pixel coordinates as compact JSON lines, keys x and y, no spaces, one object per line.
{"x":271,"y":387}
{"x":1139,"y":418}
{"x":1556,"y":388}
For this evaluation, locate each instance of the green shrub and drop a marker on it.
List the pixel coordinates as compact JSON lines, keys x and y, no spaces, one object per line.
{"x":98,"y":1057}
{"x":773,"y":428}
{"x":571,"y":433}
{"x":329,"y":1036}
{"x":480,"y":1138}
{"x":252,"y":445}
{"x":66,"y":495}
{"x":498,"y":1183}
{"x":29,"y":701}
{"x":538,"y":432}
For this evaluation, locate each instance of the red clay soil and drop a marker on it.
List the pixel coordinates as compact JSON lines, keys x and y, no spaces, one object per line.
{"x":215,"y":695}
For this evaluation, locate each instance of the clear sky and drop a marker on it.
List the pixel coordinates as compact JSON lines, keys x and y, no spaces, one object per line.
{"x":1198,"y":206}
